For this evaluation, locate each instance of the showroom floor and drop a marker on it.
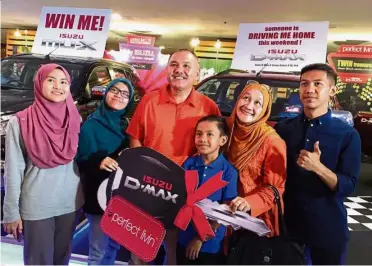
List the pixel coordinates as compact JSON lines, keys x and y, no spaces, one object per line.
{"x":12,"y":254}
{"x":359,"y":208}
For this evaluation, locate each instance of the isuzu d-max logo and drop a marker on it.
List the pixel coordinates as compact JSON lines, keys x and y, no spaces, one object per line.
{"x":78,"y":45}
{"x":280,"y":57}
{"x":150,"y":187}
{"x":365,"y":120}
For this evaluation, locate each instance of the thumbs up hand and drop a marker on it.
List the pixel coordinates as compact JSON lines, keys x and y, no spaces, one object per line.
{"x":310,"y":160}
{"x":317,"y":149}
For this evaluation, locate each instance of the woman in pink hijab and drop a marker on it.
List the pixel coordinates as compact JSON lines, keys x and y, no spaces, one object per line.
{"x":42,"y":184}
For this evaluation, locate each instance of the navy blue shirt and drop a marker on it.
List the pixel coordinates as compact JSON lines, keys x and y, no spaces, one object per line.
{"x":315,"y":215}
{"x":229,"y":192}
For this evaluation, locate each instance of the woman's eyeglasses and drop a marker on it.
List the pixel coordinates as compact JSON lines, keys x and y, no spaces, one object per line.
{"x":116,"y":91}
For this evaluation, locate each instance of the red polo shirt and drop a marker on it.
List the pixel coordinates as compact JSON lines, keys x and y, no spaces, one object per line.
{"x":161,"y":124}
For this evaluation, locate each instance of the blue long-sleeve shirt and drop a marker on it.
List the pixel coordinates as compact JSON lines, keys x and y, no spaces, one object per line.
{"x":315,"y":215}
{"x":227,"y":193}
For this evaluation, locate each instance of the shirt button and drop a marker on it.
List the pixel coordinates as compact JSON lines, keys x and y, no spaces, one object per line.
{"x":307,"y":140}
{"x":206,"y":167}
{"x":311,"y":125}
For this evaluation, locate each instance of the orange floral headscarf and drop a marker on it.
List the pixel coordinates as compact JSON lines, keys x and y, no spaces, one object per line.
{"x":246,"y":139}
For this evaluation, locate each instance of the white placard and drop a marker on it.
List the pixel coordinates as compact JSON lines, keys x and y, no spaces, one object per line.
{"x":72,"y":31}
{"x":281,"y":47}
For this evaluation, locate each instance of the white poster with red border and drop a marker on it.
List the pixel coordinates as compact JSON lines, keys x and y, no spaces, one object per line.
{"x":280,"y":47}
{"x":69,"y":31}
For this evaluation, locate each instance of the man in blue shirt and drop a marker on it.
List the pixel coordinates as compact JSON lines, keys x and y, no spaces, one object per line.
{"x":323,"y":165}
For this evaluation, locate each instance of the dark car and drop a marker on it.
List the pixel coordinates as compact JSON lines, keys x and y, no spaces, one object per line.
{"x":89,"y":77}
{"x":225,"y":87}
{"x":363,"y":123}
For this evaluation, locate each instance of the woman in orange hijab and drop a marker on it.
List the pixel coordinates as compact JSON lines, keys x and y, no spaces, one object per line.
{"x":259,"y":155}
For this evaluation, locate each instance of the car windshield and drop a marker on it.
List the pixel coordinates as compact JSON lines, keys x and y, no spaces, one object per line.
{"x":18,"y":73}
{"x":225,"y":92}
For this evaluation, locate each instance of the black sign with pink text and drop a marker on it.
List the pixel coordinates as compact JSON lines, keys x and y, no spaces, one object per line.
{"x":152,"y":182}
{"x":149,"y":194}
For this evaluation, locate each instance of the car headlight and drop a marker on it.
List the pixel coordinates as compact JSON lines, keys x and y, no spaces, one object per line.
{"x":4,"y":124}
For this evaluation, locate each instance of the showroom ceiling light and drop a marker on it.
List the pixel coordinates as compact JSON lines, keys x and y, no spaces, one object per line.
{"x":163,"y":59}
{"x":218,"y":44}
{"x":194,"y":42}
{"x":116,"y":16}
{"x":17,"y":33}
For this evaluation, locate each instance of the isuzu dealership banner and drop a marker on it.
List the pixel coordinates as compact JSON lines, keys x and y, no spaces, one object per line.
{"x":72,"y":31}
{"x":140,"y":54}
{"x":281,"y":47}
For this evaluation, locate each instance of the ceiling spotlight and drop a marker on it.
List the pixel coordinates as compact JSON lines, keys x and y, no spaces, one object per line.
{"x":163,"y":59}
{"x":218,"y":44}
{"x":17,"y":33}
{"x":195,"y":42}
{"x":115,"y":16}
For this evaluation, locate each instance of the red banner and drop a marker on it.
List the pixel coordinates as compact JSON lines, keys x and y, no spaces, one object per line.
{"x":141,"y":40}
{"x":130,"y":227}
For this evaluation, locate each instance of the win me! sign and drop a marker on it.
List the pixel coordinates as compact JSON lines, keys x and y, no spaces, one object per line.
{"x":72,"y":31}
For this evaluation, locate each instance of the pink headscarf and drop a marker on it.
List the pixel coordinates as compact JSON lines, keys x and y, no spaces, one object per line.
{"x":50,"y":130}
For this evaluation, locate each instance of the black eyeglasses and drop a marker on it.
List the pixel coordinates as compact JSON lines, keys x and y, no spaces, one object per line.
{"x":116,"y":91}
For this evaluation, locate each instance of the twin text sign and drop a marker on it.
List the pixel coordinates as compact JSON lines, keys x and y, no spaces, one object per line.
{"x":72,"y":31}
{"x":353,"y":63}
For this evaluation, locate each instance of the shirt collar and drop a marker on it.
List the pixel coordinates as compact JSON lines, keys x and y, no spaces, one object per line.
{"x":321,"y":120}
{"x":214,"y":164}
{"x":165,"y":97}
